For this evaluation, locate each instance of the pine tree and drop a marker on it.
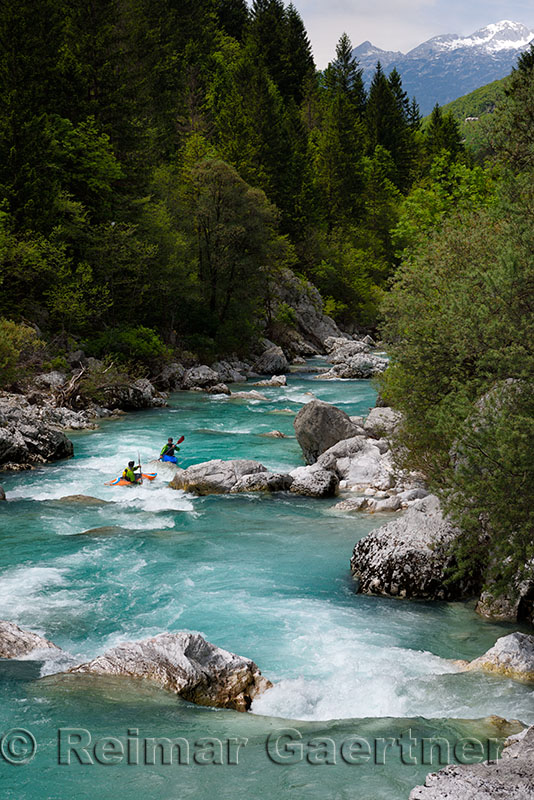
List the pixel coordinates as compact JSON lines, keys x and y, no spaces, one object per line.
{"x":343,"y":76}
{"x":389,"y":124}
{"x":442,"y":133}
{"x":339,"y":146}
{"x":232,"y":17}
{"x":299,"y":65}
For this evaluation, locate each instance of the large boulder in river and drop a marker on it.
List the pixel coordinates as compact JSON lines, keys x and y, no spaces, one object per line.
{"x":511,"y":656}
{"x":171,"y":376}
{"x":31,"y":443}
{"x":320,"y":425}
{"x":214,"y":477}
{"x":512,"y":603}
{"x":340,"y":350}
{"x":185,"y":663}
{"x":263,"y":482}
{"x":382,"y":422}
{"x":272,"y":361}
{"x":361,"y":463}
{"x":230,"y":372}
{"x":411,"y":557}
{"x":16,"y":642}
{"x":201,"y":376}
{"x":313,"y":481}
{"x":133,"y":396}
{"x":509,"y":778}
{"x":358,"y":367}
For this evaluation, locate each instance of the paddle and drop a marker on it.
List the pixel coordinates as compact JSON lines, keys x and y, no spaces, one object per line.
{"x":140,"y":467}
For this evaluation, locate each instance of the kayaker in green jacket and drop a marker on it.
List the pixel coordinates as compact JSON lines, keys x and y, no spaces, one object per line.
{"x":129,"y":473}
{"x":168,"y":451}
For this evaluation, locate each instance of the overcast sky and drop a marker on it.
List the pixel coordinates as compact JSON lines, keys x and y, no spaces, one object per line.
{"x":401,"y":24}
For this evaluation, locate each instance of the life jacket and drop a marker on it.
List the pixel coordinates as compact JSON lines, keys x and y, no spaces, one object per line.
{"x":166,"y":447}
{"x":129,"y":475}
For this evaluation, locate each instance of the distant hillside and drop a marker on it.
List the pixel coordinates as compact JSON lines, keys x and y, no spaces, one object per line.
{"x":476,"y":104}
{"x":470,"y":109}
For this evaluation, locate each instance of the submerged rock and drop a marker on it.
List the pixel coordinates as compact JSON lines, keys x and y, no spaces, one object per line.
{"x":509,"y":778}
{"x":185,"y":663}
{"x":106,"y":530}
{"x":252,"y":395}
{"x":82,"y":499}
{"x":2,"y":494}
{"x":274,"y":435}
{"x":16,"y":642}
{"x":511,"y":656}
{"x":214,"y":477}
{"x":410,"y":557}
{"x":320,"y":425}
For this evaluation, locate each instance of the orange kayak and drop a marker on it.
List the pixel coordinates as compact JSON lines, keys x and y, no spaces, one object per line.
{"x":123,"y":482}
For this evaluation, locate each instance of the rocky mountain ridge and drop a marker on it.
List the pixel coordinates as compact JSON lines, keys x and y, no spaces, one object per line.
{"x":448,"y":66}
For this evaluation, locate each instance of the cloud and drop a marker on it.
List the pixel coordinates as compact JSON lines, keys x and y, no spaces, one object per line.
{"x":390,"y":24}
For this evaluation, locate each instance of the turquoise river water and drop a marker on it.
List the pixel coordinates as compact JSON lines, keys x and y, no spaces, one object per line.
{"x":263,"y":576}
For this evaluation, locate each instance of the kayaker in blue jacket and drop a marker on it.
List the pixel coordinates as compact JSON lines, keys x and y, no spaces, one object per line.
{"x":168,"y":450}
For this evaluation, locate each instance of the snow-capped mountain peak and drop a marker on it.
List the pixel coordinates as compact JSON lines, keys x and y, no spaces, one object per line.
{"x":504,"y":35}
{"x":448,"y":66}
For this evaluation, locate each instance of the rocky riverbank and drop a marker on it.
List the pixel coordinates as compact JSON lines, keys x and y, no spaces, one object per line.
{"x":33,"y":420}
{"x":510,"y":778}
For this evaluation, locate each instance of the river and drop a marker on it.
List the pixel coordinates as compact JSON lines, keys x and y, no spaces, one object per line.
{"x":263,"y":576}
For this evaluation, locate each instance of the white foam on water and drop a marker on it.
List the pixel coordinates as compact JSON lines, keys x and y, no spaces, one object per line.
{"x":30,"y":594}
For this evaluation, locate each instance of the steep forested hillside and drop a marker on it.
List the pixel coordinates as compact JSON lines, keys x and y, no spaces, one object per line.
{"x":160,"y":163}
{"x":460,"y":326}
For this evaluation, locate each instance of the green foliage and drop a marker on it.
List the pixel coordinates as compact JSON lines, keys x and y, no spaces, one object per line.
{"x":460,"y":325}
{"x":450,"y":188}
{"x":286,"y":315}
{"x":57,"y":363}
{"x":344,"y":278}
{"x":488,"y":486}
{"x":102,"y":380}
{"x":18,"y":343}
{"x":118,"y":123}
{"x":472,"y":112}
{"x":442,"y":134}
{"x":129,"y":344}
{"x":74,"y":300}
